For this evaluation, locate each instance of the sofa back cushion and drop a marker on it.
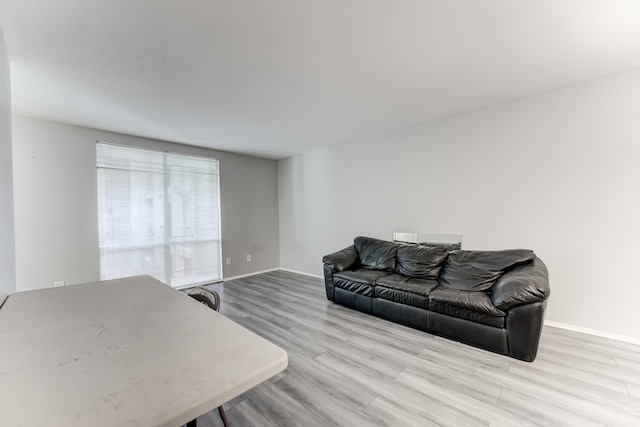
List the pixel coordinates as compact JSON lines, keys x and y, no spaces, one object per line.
{"x":479,"y":270}
{"x":419,"y":261}
{"x":376,"y":254}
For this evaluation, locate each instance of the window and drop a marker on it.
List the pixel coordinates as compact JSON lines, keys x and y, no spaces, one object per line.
{"x":158,"y":214}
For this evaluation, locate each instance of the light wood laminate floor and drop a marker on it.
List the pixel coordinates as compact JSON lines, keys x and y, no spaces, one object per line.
{"x":351,"y":369}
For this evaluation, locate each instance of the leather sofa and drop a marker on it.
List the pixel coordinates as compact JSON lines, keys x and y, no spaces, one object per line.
{"x":494,"y":300}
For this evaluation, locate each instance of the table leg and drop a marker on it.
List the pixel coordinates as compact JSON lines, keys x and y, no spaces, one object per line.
{"x":223,"y":415}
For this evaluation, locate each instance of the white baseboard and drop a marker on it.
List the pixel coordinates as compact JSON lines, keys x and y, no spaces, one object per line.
{"x":240,"y":276}
{"x":301,"y":272}
{"x":596,"y":332}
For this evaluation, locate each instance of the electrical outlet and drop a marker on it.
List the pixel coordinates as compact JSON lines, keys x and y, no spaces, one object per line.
{"x":58,"y":283}
{"x":228,"y":261}
{"x":248,"y":257}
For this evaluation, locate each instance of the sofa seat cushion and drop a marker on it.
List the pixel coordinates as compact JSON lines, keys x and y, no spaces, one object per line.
{"x":376,"y":254}
{"x":360,"y":281}
{"x":474,"y":306}
{"x":479,"y":270}
{"x":405,"y":290}
{"x":421,"y":261}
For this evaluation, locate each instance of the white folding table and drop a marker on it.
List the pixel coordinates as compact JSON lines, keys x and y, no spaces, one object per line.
{"x":127,"y":352}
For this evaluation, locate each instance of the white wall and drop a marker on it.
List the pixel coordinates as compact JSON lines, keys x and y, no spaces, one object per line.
{"x":558,"y":172}
{"x":7,"y":247}
{"x":56,"y":203}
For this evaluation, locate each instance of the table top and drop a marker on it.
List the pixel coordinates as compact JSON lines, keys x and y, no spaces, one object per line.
{"x":126,"y":352}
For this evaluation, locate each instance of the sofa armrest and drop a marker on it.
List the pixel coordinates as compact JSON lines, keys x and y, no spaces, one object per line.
{"x":525,"y":284}
{"x":345,"y":259}
{"x":524,"y":327}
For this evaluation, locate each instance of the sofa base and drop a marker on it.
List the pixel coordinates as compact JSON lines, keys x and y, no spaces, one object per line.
{"x":407,"y":315}
{"x":497,"y":340}
{"x":467,"y":332}
{"x":353,"y":300}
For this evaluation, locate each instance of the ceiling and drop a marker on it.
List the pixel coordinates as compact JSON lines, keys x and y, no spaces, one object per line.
{"x":275,"y":78}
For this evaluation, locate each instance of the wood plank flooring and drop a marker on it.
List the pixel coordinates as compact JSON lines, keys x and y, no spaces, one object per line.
{"x":351,"y":369}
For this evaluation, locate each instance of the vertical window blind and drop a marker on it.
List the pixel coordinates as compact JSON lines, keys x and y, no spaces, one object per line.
{"x":158,"y":214}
